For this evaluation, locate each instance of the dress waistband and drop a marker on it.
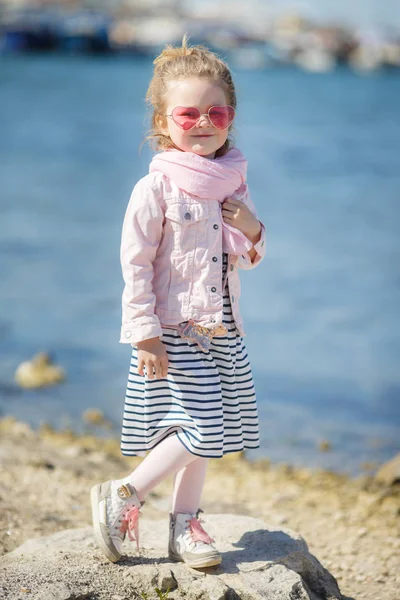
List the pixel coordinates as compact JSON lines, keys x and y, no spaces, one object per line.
{"x":189,"y":330}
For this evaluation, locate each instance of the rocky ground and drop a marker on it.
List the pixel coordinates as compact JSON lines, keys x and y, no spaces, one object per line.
{"x":351,"y":526}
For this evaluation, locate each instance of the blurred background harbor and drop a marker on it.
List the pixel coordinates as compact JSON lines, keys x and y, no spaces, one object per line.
{"x":255,"y":34}
{"x":323,"y":144}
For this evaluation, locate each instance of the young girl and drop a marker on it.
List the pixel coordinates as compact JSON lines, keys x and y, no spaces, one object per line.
{"x":189,"y":226}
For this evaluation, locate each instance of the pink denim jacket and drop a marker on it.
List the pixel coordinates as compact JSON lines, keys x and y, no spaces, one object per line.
{"x":171,"y":252}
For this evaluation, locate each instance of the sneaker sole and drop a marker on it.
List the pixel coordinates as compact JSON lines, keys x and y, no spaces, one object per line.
{"x":98,"y":534}
{"x":199,"y":563}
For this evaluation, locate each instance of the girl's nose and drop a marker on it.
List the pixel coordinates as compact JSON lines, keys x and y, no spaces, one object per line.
{"x":203,"y":121}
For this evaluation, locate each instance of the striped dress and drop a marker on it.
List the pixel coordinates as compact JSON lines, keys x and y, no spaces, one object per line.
{"x":208,"y":398}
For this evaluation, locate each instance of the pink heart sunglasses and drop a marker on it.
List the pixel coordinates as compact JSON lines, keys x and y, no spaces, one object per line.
{"x":187,"y":117}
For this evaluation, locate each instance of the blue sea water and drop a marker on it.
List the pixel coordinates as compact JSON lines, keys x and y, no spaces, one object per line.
{"x":321,"y":313}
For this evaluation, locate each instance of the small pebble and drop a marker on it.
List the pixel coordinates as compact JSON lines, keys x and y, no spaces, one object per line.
{"x":97,"y":458}
{"x":338,"y":516}
{"x":362,"y":532}
{"x":72,"y":451}
{"x":281,"y":519}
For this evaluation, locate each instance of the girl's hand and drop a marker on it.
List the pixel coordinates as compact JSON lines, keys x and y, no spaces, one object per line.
{"x":152,"y":355}
{"x":238,"y":215}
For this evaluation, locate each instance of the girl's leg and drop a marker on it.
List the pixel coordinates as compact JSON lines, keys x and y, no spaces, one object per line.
{"x":188,"y":486}
{"x":168,"y":457}
{"x":115,"y":507}
{"x":187,"y":539}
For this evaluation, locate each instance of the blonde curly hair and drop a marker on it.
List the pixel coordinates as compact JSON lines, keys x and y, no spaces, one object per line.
{"x":176,"y":63}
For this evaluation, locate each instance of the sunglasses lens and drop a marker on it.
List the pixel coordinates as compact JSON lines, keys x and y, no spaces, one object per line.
{"x":221,"y":116}
{"x":185,"y":117}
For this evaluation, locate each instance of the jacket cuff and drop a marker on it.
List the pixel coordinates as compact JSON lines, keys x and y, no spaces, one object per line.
{"x":260,"y":246}
{"x":245,"y":261}
{"x":138,"y":330}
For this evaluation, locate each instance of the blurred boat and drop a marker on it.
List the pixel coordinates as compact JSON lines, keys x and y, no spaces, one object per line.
{"x":28,"y":30}
{"x":145,"y":36}
{"x":315,"y":60}
{"x":370,"y":52}
{"x":391,"y":52}
{"x":84,"y":32}
{"x":366,"y":58}
{"x":254,"y":56}
{"x":249,"y":58}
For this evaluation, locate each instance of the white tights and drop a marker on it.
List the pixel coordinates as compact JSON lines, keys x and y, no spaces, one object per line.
{"x":167,"y":458}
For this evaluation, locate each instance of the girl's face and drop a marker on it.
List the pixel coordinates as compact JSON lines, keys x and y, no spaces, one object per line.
{"x":204,"y":139}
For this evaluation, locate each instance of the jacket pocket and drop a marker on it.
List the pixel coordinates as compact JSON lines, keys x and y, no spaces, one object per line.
{"x":187,"y":213}
{"x":186,"y":223}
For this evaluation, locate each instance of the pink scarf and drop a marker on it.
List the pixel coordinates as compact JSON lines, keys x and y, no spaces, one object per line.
{"x":216,"y":179}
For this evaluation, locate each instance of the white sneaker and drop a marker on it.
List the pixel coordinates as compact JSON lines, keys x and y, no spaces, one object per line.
{"x":115,"y":512}
{"x":189,"y":543}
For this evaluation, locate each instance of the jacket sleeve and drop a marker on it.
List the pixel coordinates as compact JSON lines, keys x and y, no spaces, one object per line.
{"x":141,"y":235}
{"x":245,"y":260}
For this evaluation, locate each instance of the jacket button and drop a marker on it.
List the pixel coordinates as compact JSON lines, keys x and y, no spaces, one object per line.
{"x":128,"y":334}
{"x":213,"y":289}
{"x":215,"y":226}
{"x":215,"y":259}
{"x":233,"y":299}
{"x":187,"y":216}
{"x":232,"y":267}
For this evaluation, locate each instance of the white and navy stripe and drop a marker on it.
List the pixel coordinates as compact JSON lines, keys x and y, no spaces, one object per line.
{"x":208,"y":398}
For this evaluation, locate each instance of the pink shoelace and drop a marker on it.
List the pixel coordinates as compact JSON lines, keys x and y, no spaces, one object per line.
{"x":130,"y":524}
{"x":197,"y":532}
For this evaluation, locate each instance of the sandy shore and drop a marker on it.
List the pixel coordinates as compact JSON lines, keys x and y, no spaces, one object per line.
{"x":351,"y":525}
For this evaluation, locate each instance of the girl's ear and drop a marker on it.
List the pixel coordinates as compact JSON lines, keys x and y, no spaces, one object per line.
{"x":162,"y":125}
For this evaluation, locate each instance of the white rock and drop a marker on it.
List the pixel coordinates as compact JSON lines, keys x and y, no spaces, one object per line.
{"x":259,"y":562}
{"x":389,"y":472}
